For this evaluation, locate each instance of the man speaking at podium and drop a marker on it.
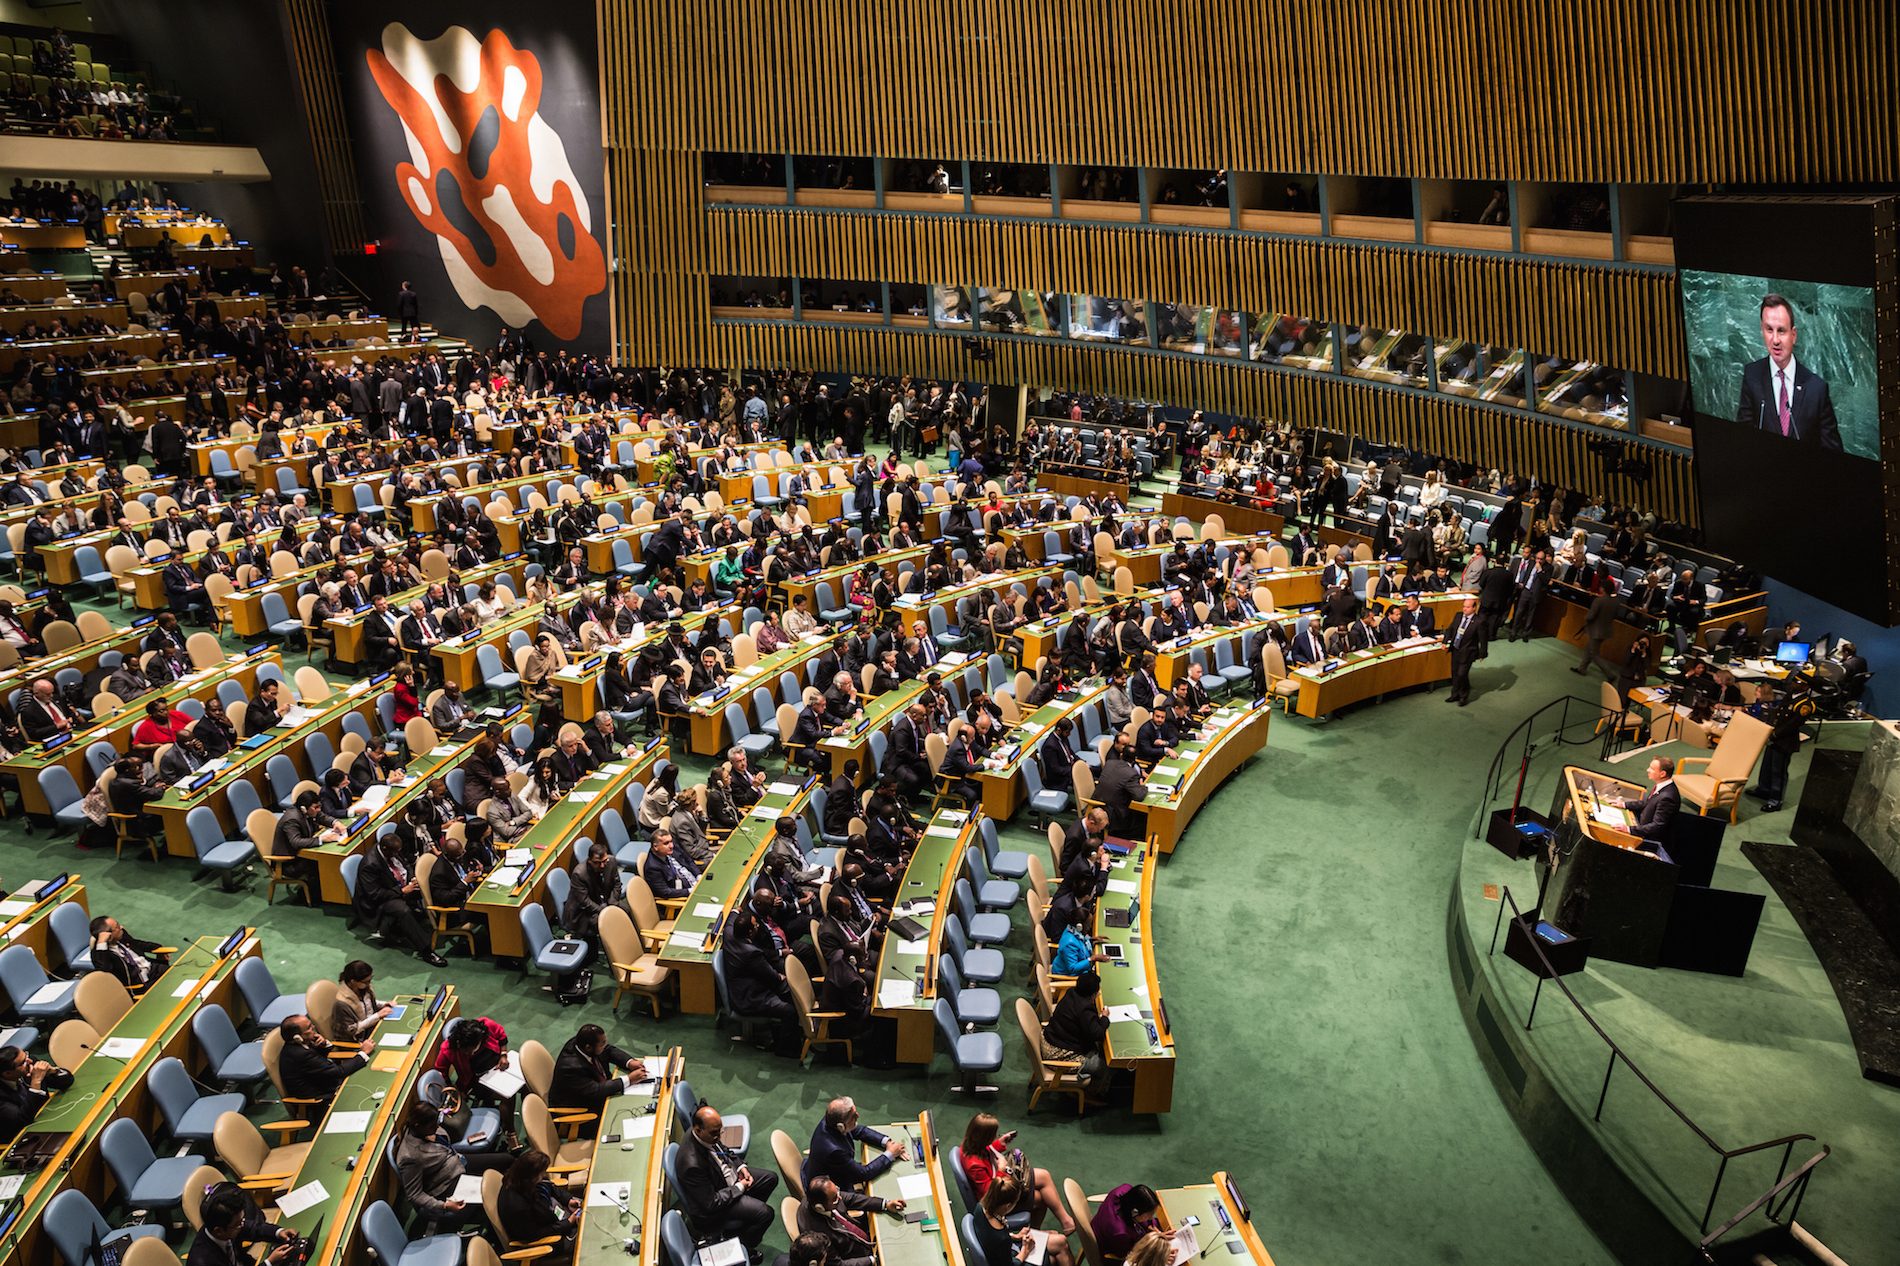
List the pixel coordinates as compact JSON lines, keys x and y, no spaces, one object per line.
{"x":1657,"y":810}
{"x":1780,"y":395}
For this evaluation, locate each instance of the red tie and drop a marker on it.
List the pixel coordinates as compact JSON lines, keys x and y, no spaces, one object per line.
{"x":1781,"y":376}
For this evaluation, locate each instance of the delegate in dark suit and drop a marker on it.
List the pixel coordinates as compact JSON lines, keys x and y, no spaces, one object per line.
{"x":1810,"y":408}
{"x":717,"y":1200}
{"x":1465,"y":635}
{"x":1655,"y":812}
{"x":1599,"y":623}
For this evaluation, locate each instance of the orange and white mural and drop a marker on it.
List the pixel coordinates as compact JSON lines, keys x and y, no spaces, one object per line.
{"x":488,"y":176}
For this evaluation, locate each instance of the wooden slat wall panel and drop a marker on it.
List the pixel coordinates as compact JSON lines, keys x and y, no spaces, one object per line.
{"x":1624,"y":317}
{"x":1617,"y":90}
{"x":329,"y":130}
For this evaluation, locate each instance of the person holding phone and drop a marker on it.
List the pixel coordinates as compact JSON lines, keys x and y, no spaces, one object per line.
{"x":989,"y":1154}
{"x":1002,"y":1246}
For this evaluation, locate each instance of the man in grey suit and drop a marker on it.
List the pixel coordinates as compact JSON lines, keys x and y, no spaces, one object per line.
{"x":1599,"y":622}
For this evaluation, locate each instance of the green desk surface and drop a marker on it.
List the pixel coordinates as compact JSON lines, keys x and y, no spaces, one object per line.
{"x":283,"y":739}
{"x":417,"y":774}
{"x":1205,"y":1201}
{"x":474,"y":575}
{"x":924,"y":894}
{"x":18,"y":913}
{"x":1133,"y":982}
{"x":933,"y":1241}
{"x":1165,"y":780}
{"x":765,"y":673}
{"x":728,"y":876}
{"x":201,"y":683}
{"x":101,"y":1081}
{"x":305,"y":528}
{"x":624,"y":1195}
{"x":527,"y":616}
{"x":550,"y":839}
{"x":950,"y":595}
{"x":1202,"y":638}
{"x":642,"y":637}
{"x":837,"y":574}
{"x":1355,"y":660}
{"x":346,"y":1152}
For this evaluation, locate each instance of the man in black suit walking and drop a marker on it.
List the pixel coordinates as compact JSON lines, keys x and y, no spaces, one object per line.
{"x":1781,"y":396}
{"x":1657,"y":810}
{"x":1466,"y":637}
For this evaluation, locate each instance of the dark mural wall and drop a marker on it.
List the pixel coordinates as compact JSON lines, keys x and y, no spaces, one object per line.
{"x":476,"y":127}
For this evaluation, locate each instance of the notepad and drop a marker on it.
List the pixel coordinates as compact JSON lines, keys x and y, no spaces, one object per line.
{"x":724,"y":1253}
{"x":296,"y":1200}
{"x":765,"y":811}
{"x":1125,"y":887}
{"x":468,"y":1189}
{"x":505,"y":1082}
{"x":1124,"y":1014}
{"x":394,"y":1041}
{"x":708,"y":910}
{"x":119,"y":1048}
{"x":442,"y":749}
{"x":386,"y":1061}
{"x":374,"y":798}
{"x":47,"y":993}
{"x":518,"y":857}
{"x":640,"y":1089}
{"x":347,"y":1122}
{"x":916,"y":948}
{"x":505,"y":876}
{"x":896,"y":993}
{"x":185,"y":990}
{"x":687,"y":940}
{"x":10,"y":1185}
{"x":914,"y":1186}
{"x":581,"y":797}
{"x":783,"y":789}
{"x":11,"y":908}
{"x":942,"y":832}
{"x":611,"y":1195}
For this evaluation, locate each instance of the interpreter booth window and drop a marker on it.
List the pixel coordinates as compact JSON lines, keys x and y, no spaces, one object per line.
{"x":1185,"y":327}
{"x":1009,"y":183}
{"x":761,"y":170}
{"x":924,"y":175}
{"x":1020,"y":312}
{"x":1175,"y":189}
{"x":1386,"y":355}
{"x":752,"y":298}
{"x":1583,"y":391}
{"x":1095,"y":319}
{"x":950,"y":307}
{"x":1296,"y":341}
{"x":1460,"y":367}
{"x":851,"y":302}
{"x":812,"y":171}
{"x":1504,"y":376}
{"x":910,"y":304}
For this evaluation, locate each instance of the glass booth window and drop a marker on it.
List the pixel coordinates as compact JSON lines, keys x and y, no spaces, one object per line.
{"x":1583,"y":391}
{"x":752,"y":293}
{"x":1184,"y":327}
{"x":1394,"y":356}
{"x":1101,"y":320}
{"x":1302,"y":342}
{"x":827,"y":296}
{"x":908,"y":299}
{"x":1019,"y":312}
{"x":746,"y":169}
{"x":949,"y":305}
{"x":818,"y":172}
{"x":1503,"y":376}
{"x":1458,"y":367}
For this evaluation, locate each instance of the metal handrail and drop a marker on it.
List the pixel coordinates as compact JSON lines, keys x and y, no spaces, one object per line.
{"x":1786,"y":1142}
{"x":1594,"y":714}
{"x":1795,"y":1185}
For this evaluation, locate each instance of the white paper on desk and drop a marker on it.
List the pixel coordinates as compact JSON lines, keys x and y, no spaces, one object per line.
{"x":687,"y":940}
{"x":640,"y":1127}
{"x":394,"y":1040}
{"x":1186,"y":1246}
{"x":944,"y":832}
{"x":581,"y":797}
{"x":204,"y":990}
{"x":503,"y":1081}
{"x":1123,"y":1014}
{"x":655,"y":1066}
{"x":1126,"y":887}
{"x":347,"y":1122}
{"x":708,"y":910}
{"x":215,"y":764}
{"x":468,"y":1189}
{"x":640,"y":1089}
{"x":724,"y":1253}
{"x":119,"y":1048}
{"x":442,"y":749}
{"x":609,"y":1195}
{"x":47,"y":992}
{"x":782,"y":789}
{"x":506,"y":876}
{"x":914,"y":1186}
{"x":374,"y":798}
{"x":295,"y":1201}
{"x":293,"y":718}
{"x":11,"y":908}
{"x":10,"y":1185}
{"x":1034,"y":1250}
{"x":185,"y":990}
{"x":917,"y":948}
{"x":765,"y":811}
{"x":614,"y":771}
{"x":518,"y":857}
{"x":897,"y":993}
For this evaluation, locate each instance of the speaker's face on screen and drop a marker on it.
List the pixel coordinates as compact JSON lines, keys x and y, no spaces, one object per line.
{"x":1777,"y":332}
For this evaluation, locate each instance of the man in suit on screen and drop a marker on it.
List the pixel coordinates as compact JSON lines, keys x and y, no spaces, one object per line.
{"x":1780,"y":395}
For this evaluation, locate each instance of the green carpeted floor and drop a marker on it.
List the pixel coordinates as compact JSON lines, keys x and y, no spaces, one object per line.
{"x":1301,"y":935}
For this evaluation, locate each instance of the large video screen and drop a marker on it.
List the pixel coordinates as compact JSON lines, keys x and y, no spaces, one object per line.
{"x":1779,"y":317}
